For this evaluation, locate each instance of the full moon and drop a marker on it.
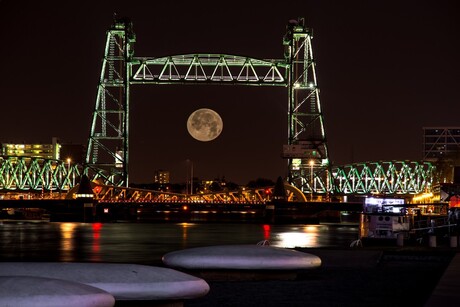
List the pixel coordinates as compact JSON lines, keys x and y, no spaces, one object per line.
{"x":204,"y":125}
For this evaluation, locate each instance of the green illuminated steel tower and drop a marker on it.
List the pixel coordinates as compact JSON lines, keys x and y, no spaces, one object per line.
{"x":308,"y":160}
{"x":108,"y":146}
{"x":108,"y":151}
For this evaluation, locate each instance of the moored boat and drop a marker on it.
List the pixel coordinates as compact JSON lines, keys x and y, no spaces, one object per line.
{"x":387,"y":220}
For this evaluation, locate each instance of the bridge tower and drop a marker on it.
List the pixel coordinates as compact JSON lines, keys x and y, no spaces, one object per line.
{"x":306,"y":151}
{"x":108,"y":146}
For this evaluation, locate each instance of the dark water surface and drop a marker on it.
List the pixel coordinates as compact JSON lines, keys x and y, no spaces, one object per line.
{"x":146,"y":243}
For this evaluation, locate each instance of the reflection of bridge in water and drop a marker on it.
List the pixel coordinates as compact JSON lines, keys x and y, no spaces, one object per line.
{"x":309,"y":171}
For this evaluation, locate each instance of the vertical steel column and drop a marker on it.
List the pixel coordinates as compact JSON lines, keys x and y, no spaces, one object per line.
{"x":107,"y":155}
{"x":308,"y":160}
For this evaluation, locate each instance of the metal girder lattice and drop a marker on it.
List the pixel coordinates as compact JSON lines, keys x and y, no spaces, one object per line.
{"x":35,"y":174}
{"x":108,"y":147}
{"x":308,"y":159}
{"x":208,"y":68}
{"x":385,"y":177}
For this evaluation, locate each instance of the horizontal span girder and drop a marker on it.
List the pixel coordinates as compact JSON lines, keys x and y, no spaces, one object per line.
{"x":37,"y":174}
{"x":208,"y":68}
{"x":384,"y":177}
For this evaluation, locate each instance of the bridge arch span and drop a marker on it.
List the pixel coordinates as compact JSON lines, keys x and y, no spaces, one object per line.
{"x":294,"y":193}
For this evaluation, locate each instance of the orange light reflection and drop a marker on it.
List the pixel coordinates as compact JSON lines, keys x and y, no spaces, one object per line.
{"x":67,"y":244}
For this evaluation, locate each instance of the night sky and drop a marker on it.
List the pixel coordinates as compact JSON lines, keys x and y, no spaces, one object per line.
{"x":386,"y":69}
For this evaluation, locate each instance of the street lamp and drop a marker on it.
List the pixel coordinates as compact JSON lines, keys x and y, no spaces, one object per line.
{"x":311,"y":162}
{"x":191,"y":177}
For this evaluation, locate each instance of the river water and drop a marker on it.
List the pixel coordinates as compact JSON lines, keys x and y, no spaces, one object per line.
{"x":146,"y":243}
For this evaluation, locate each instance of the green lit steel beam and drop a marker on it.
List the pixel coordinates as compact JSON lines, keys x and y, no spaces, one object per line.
{"x":37,"y":174}
{"x":384,"y":177}
{"x":208,"y":68}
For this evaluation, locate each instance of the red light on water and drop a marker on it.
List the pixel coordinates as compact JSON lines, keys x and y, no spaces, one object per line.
{"x":266,"y":231}
{"x":96,"y":237}
{"x":97,"y":227}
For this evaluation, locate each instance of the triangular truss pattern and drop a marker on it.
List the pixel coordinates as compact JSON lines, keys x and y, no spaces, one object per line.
{"x":195,"y":71}
{"x":214,"y":68}
{"x":35,"y":174}
{"x":222,"y":71}
{"x":247,"y":73}
{"x":386,"y":177}
{"x":169,"y":71}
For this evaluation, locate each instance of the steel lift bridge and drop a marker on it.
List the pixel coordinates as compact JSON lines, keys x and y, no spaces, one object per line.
{"x":306,"y":152}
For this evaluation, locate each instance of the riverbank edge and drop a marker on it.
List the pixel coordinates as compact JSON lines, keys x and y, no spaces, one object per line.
{"x":364,"y":276}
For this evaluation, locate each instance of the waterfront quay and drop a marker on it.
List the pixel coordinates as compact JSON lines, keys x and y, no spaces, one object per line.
{"x":378,"y":276}
{"x":89,"y":210}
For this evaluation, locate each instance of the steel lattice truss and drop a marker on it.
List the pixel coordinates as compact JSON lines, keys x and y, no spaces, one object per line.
{"x":108,"y":151}
{"x":392,"y":177}
{"x":213,"y":68}
{"x":307,"y":153}
{"x":37,"y":174}
{"x":385,"y":177}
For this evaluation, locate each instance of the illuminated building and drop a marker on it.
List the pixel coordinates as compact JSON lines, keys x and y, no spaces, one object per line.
{"x":46,"y":151}
{"x":161,"y":177}
{"x":72,"y":153}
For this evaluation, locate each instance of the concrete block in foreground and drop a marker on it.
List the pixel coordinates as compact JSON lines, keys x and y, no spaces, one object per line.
{"x":123,"y":281}
{"x":47,"y":292}
{"x":250,"y":257}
